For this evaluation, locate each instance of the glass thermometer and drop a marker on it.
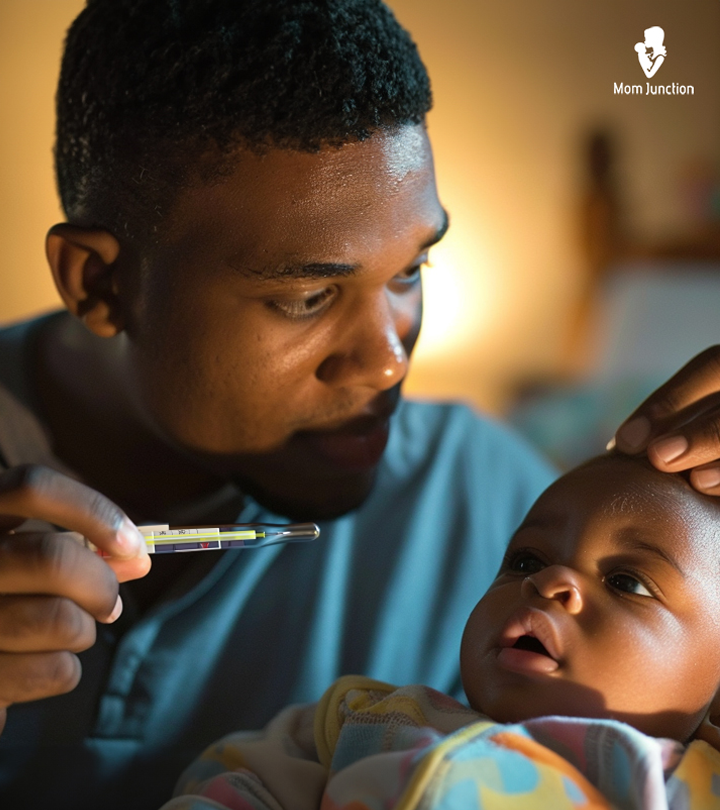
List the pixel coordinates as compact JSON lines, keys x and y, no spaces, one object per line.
{"x":164,"y":539}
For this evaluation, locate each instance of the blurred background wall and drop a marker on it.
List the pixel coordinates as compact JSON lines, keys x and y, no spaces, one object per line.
{"x":519,"y":87}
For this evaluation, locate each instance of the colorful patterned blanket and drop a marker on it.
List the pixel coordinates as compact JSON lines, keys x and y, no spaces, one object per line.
{"x":370,"y":746}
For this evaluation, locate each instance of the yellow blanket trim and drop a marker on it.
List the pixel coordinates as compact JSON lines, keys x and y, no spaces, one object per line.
{"x":430,"y":763}
{"x":696,"y":769}
{"x":328,"y":721}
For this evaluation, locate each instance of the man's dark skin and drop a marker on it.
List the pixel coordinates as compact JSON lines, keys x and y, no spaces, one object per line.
{"x":262,"y":340}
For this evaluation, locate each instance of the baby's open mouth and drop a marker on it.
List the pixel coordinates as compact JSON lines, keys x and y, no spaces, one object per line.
{"x":531,"y":644}
{"x":527,"y":655}
{"x":520,"y":648}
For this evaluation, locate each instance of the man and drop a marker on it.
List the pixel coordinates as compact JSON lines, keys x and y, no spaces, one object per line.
{"x":250,"y":196}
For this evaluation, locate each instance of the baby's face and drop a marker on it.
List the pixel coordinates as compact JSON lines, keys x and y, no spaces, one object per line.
{"x":607,"y":605}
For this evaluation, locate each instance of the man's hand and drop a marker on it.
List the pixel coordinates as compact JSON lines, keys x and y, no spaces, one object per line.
{"x":679,"y":425}
{"x":52,"y":589}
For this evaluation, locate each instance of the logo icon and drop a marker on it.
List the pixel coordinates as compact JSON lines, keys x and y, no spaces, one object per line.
{"x":651,"y":53}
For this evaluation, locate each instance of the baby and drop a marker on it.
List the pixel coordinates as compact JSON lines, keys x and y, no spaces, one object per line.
{"x":606,"y":606}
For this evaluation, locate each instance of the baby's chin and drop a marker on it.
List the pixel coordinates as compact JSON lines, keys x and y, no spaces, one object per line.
{"x":516,"y":699}
{"x":518,"y":706}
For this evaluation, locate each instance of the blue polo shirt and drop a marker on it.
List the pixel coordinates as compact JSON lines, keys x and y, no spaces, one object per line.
{"x":385,"y":592}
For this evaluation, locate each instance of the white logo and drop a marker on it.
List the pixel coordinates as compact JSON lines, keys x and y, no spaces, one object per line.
{"x":651,"y":53}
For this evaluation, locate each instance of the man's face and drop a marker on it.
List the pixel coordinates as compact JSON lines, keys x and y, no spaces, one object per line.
{"x":273,"y":325}
{"x":606,"y":605}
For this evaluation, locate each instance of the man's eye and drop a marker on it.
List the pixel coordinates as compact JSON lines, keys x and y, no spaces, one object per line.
{"x":627,"y":583}
{"x":303,"y":307}
{"x":524,"y":562}
{"x":411,"y":275}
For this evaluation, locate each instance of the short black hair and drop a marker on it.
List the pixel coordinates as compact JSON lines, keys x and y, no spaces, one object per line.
{"x":147,"y":87}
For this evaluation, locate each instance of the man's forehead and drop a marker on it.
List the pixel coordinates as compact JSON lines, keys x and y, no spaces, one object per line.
{"x":374,"y":191}
{"x":393,"y":151}
{"x":386,"y":163}
{"x":407,"y":150}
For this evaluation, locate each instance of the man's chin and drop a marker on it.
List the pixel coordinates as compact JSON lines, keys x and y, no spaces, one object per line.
{"x":320,"y":474}
{"x":308,"y":501}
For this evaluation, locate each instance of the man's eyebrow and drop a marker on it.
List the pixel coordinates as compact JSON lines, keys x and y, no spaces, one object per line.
{"x":633,"y":543}
{"x":322,"y":269}
{"x":291,"y":271}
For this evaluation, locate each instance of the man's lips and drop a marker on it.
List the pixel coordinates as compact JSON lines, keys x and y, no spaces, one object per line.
{"x":530,"y":644}
{"x":356,"y":446}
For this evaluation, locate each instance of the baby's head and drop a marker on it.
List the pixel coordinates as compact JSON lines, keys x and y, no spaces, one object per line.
{"x":607,"y":605}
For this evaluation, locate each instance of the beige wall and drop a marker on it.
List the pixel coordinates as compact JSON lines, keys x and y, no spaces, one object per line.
{"x":515,"y":82}
{"x":31,"y":35}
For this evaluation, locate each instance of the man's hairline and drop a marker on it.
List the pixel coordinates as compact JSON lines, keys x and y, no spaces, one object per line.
{"x":213,"y":164}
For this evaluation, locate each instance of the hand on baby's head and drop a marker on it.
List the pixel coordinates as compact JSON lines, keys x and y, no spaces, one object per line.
{"x":606,"y":605}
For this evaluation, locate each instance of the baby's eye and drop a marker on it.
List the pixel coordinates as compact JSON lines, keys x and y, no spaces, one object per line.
{"x":524,"y":562}
{"x":627,"y":583}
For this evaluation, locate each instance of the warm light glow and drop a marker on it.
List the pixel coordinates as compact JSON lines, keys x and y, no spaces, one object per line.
{"x":459,"y":298}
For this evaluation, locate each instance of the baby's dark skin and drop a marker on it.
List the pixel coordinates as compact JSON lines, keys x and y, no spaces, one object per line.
{"x":607,"y":605}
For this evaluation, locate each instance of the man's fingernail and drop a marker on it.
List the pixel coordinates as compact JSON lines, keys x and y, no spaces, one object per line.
{"x":610,"y":445}
{"x":635,"y":433}
{"x":129,"y":539}
{"x":116,"y":611}
{"x":670,"y":449}
{"x":707,"y":479}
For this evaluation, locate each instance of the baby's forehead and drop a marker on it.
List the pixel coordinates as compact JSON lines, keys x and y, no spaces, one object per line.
{"x":628,"y":494}
{"x":629,"y":479}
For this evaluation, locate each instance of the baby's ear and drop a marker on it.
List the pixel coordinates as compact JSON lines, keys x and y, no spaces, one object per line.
{"x":82,"y":261}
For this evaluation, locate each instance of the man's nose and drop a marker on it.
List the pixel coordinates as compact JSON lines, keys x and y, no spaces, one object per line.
{"x":373,"y":348}
{"x":556,"y":582}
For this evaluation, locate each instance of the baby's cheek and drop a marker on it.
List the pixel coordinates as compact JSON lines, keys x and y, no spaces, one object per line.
{"x":474,"y":643}
{"x":649,"y":670}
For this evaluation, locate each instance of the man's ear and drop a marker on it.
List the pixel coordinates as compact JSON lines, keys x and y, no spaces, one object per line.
{"x":82,"y":261}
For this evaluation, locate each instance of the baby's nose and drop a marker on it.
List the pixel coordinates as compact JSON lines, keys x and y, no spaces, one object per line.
{"x":555,"y":582}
